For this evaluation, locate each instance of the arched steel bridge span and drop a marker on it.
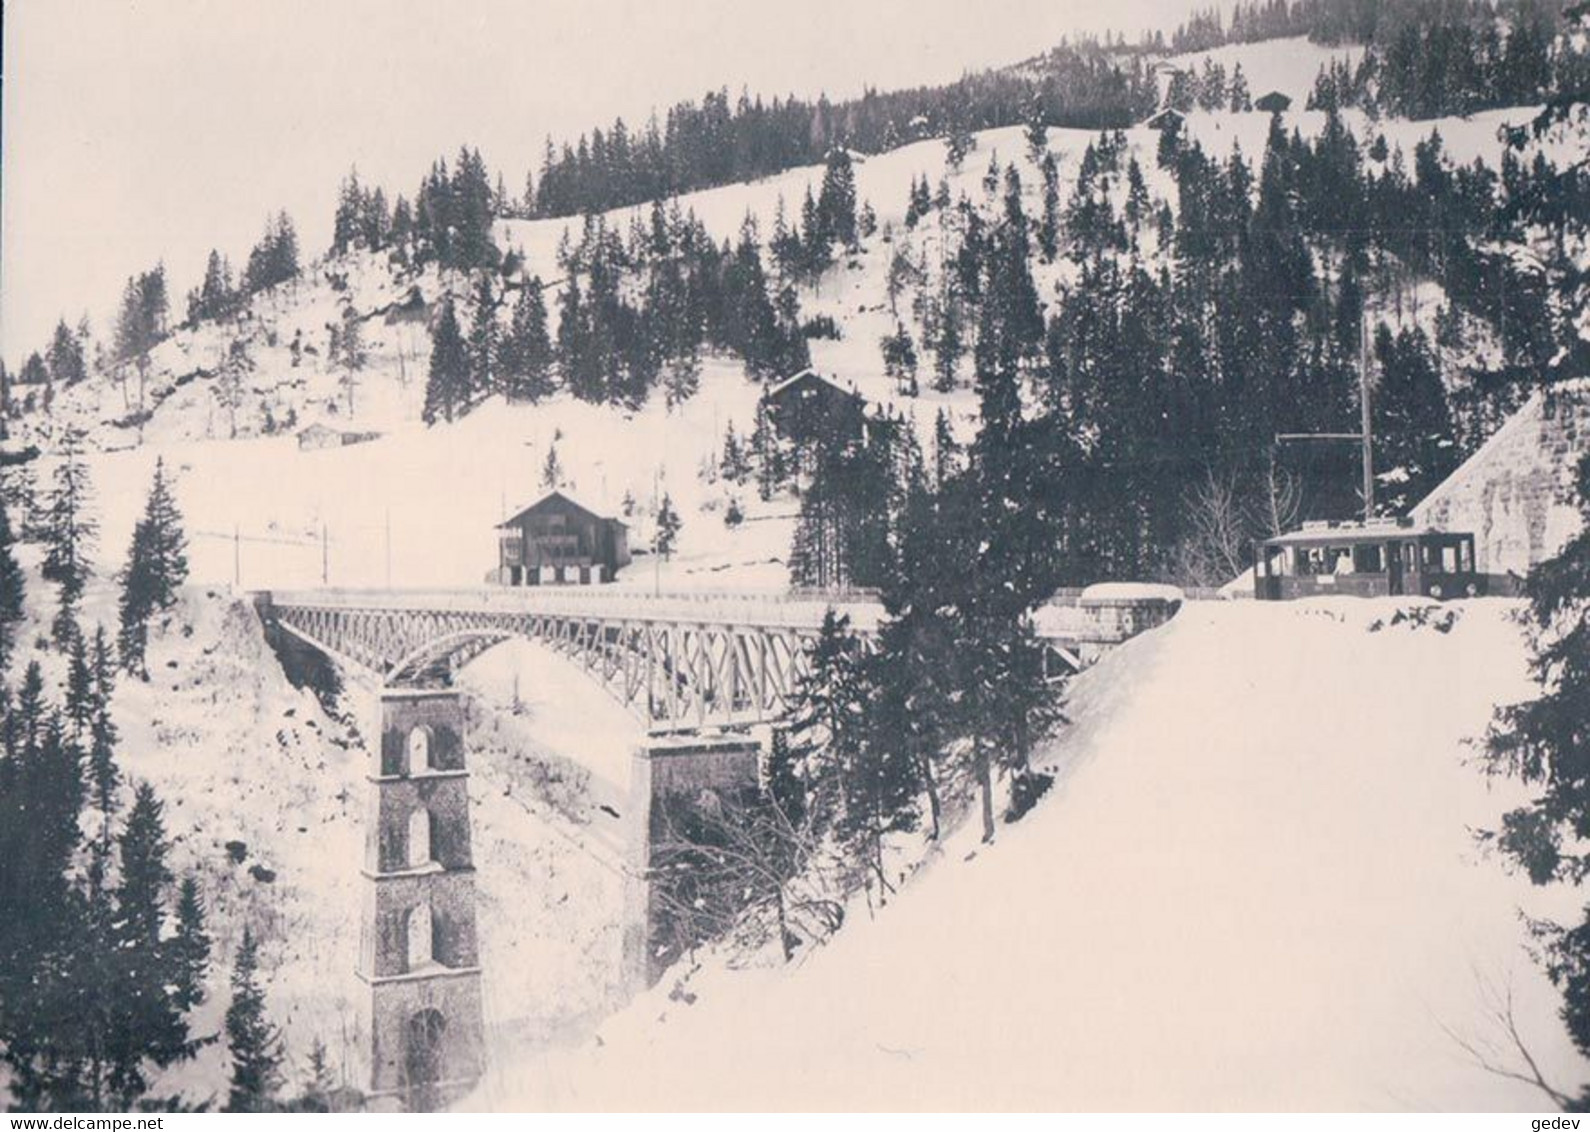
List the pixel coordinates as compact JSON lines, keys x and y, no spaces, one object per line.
{"x":679,"y":661}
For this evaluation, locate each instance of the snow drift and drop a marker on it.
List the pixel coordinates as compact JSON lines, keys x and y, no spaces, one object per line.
{"x":1255,"y":886}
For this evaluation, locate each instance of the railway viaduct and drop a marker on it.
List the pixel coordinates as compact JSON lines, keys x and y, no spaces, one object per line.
{"x":698,"y":670}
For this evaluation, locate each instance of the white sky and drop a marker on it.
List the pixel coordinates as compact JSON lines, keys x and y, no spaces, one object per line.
{"x":140,"y":130}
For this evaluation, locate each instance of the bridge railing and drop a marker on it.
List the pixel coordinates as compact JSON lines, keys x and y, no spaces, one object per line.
{"x":1066,"y":617}
{"x":792,"y":610}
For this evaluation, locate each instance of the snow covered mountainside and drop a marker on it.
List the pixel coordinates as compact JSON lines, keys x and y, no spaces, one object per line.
{"x":416,"y":505}
{"x":1254,"y":886}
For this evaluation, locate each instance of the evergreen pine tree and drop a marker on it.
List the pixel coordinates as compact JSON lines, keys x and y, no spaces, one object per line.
{"x":156,"y":567}
{"x":352,"y":355}
{"x":144,"y":1016}
{"x":1049,"y":225}
{"x":682,"y":377}
{"x":900,"y":360}
{"x":958,"y":142}
{"x":1237,"y":94}
{"x":69,"y":526}
{"x":552,"y":469}
{"x":137,"y":602}
{"x":946,"y":452}
{"x":836,"y":201}
{"x":1037,"y":131}
{"x":19,"y":493}
{"x":43,"y":1033}
{"x":65,"y":357}
{"x":230,"y":385}
{"x":526,"y":353}
{"x":11,"y":606}
{"x":1542,"y":743}
{"x":771,"y":469}
{"x":735,"y":463}
{"x":484,"y":342}
{"x":252,"y":1041}
{"x":80,"y":693}
{"x":668,"y":527}
{"x":1413,"y":426}
{"x":144,"y":873}
{"x":189,"y":948}
{"x":446,"y":388}
{"x":69,"y":534}
{"x":103,"y":775}
{"x":785,"y":827}
{"x":318,"y":1089}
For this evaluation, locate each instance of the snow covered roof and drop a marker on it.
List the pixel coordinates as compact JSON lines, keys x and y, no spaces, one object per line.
{"x":1344,"y":532}
{"x":775,"y":390}
{"x":1101,"y":593}
{"x":558,"y":495}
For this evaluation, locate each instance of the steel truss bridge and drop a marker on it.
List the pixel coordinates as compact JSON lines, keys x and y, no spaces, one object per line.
{"x":678,"y":661}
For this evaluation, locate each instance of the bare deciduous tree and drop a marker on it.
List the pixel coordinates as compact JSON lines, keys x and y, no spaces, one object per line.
{"x":1507,"y":1055}
{"x":748,"y":867}
{"x":1282,"y":502}
{"x":1214,"y":550}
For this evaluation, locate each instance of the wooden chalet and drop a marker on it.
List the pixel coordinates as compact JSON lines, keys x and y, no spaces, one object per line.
{"x":557,"y":541}
{"x":807,"y":405}
{"x":1168,"y":118}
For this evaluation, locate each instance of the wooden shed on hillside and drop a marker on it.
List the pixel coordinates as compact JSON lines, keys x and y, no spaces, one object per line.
{"x":319,"y":436}
{"x":807,"y":405}
{"x":1167,"y":119}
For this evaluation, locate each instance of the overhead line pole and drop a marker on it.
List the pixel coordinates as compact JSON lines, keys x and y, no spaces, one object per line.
{"x":1364,"y":437}
{"x":1364,"y":423}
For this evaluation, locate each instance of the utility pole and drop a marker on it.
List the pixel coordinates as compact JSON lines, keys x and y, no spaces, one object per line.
{"x":237,"y":558}
{"x":1364,"y":437}
{"x":1365,"y":426}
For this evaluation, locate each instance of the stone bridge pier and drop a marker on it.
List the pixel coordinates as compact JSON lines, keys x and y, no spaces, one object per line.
{"x":419,"y":952}
{"x":667,"y":775}
{"x":696,"y":669}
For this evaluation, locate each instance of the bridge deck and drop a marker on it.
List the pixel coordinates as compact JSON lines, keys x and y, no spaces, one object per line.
{"x":675,"y":658}
{"x":1061,"y":621}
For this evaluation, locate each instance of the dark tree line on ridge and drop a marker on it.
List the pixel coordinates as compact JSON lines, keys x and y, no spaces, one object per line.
{"x":637,"y":311}
{"x":1431,"y":57}
{"x":1373,"y":23}
{"x":1444,"y":69}
{"x":1192,"y":336}
{"x":721,"y":141}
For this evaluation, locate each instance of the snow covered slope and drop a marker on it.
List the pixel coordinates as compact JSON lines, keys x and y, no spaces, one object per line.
{"x":1254,"y":887}
{"x":417,"y":505}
